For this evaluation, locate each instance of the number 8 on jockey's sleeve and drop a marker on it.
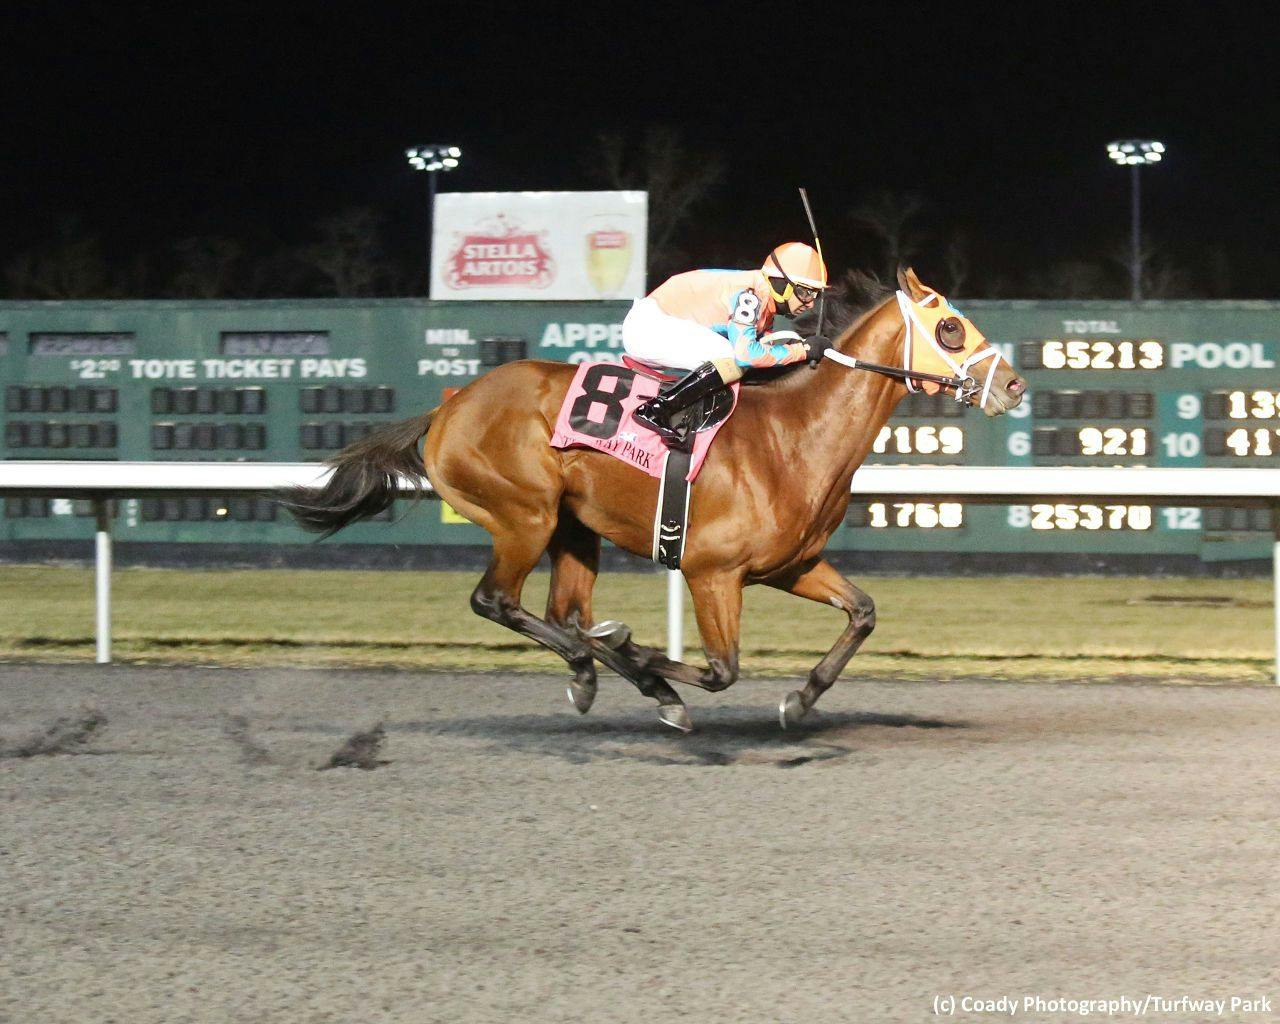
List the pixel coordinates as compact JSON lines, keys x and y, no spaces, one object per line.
{"x":716,"y":323}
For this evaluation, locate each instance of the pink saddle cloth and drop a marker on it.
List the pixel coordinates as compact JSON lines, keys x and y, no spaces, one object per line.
{"x":596,"y":413}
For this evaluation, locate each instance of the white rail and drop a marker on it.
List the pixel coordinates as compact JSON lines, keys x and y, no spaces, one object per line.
{"x":992,"y":485}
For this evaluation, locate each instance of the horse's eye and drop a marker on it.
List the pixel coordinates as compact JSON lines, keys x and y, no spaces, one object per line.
{"x":950,"y":333}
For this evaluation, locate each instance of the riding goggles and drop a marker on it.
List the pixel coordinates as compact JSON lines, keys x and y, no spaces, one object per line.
{"x":804,"y":292}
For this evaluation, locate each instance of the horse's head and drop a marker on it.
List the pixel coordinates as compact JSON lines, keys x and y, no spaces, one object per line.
{"x":938,"y":339}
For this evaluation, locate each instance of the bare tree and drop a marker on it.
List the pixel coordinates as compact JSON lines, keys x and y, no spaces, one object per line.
{"x":887,"y":216}
{"x":997,"y":286}
{"x":207,"y":267}
{"x":676,"y":177}
{"x":1164,"y":279}
{"x":957,"y":257}
{"x":1068,"y":279}
{"x":1160,"y":276}
{"x":277,"y":270}
{"x":1221,"y":275}
{"x":71,"y":268}
{"x":135,"y":277}
{"x":348,"y":256}
{"x":1123,"y":255}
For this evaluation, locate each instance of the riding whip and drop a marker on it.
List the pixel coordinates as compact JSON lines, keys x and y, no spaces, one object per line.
{"x":822,"y":295}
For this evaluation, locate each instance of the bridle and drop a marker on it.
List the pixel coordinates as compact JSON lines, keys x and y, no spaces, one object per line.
{"x":963,"y":383}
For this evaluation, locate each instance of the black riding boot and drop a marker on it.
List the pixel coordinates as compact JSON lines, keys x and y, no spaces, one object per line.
{"x":656,"y":413}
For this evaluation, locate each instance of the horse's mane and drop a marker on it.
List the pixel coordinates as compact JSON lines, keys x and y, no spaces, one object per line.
{"x":851,"y":297}
{"x":847,"y":301}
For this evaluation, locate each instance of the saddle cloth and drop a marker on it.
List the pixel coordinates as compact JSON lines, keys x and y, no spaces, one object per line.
{"x":596,"y":413}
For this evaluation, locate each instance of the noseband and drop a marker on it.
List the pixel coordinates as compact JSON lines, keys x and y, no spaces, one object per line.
{"x":965,"y":386}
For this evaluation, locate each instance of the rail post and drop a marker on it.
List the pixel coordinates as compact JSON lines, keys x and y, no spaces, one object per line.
{"x":102,"y":577}
{"x":675,"y":614}
{"x":1275,"y":579}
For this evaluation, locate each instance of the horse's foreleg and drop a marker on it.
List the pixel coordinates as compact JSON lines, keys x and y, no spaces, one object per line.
{"x":575,"y":562}
{"x":651,"y":659}
{"x":717,"y":603}
{"x":823,"y":584}
{"x":671,"y":709}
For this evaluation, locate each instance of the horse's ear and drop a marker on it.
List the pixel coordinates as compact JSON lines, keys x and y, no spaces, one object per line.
{"x":910,"y":284}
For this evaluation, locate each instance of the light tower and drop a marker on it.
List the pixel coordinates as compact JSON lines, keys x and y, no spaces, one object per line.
{"x":1136,"y":154}
{"x":433,"y":159}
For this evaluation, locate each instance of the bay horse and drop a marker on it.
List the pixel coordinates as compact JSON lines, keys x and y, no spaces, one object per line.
{"x":774,"y":487}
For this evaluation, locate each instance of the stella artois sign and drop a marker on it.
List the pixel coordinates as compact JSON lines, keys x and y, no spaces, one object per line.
{"x":539,"y":245}
{"x":501,"y":254}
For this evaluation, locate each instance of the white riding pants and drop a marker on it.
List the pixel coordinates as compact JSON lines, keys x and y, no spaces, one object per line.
{"x":656,"y":338}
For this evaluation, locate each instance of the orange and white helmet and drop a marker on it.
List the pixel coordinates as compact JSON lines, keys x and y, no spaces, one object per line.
{"x":796,"y":263}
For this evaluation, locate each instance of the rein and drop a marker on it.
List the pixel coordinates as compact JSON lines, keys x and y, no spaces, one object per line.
{"x":965,"y":387}
{"x":963,"y":383}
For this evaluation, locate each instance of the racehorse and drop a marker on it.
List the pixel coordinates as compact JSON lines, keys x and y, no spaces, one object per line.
{"x":774,"y":487}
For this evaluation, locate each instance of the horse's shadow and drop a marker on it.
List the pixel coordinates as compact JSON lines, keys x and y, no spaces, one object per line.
{"x":727,"y":736}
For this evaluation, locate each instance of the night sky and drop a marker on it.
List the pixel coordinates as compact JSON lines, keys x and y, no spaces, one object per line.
{"x":143,"y":123}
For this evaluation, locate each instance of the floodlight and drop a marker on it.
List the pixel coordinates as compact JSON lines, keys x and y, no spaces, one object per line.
{"x":1136,"y":154}
{"x":432,"y":158}
{"x":1132,"y":152}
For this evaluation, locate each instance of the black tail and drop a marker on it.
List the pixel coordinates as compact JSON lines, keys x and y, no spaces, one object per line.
{"x":364,"y":481}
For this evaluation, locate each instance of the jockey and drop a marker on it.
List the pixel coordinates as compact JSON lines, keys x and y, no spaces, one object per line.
{"x":717,"y":324}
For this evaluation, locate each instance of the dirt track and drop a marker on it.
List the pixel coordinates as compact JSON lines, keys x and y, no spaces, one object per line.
{"x":514,"y":862}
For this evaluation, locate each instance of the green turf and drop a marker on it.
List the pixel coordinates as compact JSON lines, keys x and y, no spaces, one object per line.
{"x":1019,"y":627}
{"x":1016,"y":626}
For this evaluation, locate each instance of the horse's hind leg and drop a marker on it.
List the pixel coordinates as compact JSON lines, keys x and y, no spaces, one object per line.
{"x":497,"y":597}
{"x":575,"y":562}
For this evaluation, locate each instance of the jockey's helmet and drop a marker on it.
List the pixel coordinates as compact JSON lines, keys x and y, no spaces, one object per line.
{"x":792,"y":264}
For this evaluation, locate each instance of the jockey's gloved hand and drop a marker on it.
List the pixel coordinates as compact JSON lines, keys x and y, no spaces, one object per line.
{"x":817,"y":346}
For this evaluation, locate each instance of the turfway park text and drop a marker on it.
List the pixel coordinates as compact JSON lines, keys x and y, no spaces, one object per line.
{"x":1126,"y":1005}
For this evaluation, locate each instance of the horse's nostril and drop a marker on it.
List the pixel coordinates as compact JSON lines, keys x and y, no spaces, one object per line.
{"x":1016,"y":386}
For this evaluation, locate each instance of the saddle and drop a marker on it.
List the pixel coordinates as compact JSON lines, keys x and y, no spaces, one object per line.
{"x":702,"y":415}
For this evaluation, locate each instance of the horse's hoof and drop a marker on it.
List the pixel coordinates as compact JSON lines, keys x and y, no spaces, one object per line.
{"x":582,"y":694}
{"x":792,"y":709}
{"x":676,"y":716}
{"x":612,"y":633}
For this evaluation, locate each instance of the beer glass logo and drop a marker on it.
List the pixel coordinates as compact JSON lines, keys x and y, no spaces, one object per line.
{"x":608,"y":255}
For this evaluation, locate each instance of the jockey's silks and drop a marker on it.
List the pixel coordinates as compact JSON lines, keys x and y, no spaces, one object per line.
{"x":737,"y":304}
